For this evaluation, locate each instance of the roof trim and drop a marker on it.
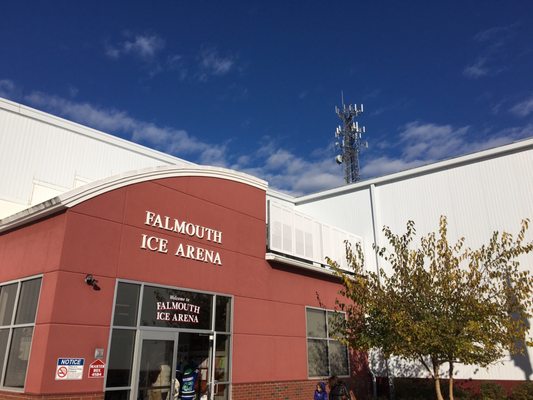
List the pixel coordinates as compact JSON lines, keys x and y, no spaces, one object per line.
{"x":86,"y":192}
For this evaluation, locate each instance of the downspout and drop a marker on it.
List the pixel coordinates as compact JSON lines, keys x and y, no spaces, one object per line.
{"x":375,"y":222}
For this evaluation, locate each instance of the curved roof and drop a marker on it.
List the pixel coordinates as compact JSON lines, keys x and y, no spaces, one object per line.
{"x":72,"y":198}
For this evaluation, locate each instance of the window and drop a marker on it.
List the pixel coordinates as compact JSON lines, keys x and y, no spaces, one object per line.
{"x":119,"y":372}
{"x":325,"y":355}
{"x":18,"y":307}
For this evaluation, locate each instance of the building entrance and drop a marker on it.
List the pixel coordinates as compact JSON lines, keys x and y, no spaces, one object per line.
{"x":169,"y":344}
{"x":176,"y":366}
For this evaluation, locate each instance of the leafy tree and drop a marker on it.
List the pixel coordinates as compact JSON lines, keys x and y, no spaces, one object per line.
{"x":440,"y":303}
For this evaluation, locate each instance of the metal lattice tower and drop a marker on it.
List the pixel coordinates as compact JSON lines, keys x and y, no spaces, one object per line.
{"x":349,"y":141}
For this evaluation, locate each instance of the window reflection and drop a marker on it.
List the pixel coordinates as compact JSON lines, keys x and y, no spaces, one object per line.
{"x":18,"y":357}
{"x":120,"y":358}
{"x":15,"y":340}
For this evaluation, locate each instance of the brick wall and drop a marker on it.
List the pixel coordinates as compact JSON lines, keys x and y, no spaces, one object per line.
{"x":290,"y":390}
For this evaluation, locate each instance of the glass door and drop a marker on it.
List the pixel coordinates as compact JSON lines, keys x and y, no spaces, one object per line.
{"x":194,"y":366}
{"x":174,"y":366}
{"x":155,"y":365}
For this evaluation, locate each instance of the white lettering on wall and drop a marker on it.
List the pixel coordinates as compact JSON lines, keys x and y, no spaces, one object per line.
{"x":197,"y":253}
{"x":182,"y":227}
{"x":154,"y":243}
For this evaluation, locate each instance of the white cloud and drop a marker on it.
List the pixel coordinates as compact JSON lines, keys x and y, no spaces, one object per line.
{"x":213,"y":64}
{"x":85,"y":113}
{"x":495,"y":33}
{"x":524,"y":108}
{"x":478,"y":69}
{"x":290,"y":173}
{"x":493,"y":55}
{"x":7,"y":88}
{"x":142,"y":46}
{"x":112,"y":52}
{"x":384,"y":165}
{"x":214,"y":155}
{"x":73,"y":91}
{"x":511,"y":134}
{"x":279,"y":159}
{"x":425,"y":143}
{"x":445,"y":141}
{"x":243,"y":161}
{"x":148,"y":48}
{"x":431,"y":141}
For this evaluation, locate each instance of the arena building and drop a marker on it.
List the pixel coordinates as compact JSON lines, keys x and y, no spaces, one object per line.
{"x":127,"y":273}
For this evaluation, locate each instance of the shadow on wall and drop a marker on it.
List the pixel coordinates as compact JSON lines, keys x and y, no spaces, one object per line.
{"x":396,"y":367}
{"x":523,"y":361}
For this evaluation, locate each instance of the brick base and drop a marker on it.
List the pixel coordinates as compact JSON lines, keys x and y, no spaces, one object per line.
{"x":70,"y":396}
{"x":290,"y":390}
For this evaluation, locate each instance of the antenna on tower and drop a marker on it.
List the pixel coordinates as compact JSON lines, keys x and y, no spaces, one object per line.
{"x":349,"y":140}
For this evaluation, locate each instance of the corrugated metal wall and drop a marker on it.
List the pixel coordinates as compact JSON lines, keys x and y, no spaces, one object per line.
{"x":494,"y":194}
{"x":478,"y":196}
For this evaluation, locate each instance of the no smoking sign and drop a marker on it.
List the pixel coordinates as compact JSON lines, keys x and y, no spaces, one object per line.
{"x":69,"y":369}
{"x":62,"y":372}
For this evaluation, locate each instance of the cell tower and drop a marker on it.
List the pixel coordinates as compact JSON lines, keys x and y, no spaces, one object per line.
{"x":349,"y":140}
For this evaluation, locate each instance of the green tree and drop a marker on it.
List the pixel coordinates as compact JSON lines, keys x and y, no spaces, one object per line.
{"x":439,"y":303}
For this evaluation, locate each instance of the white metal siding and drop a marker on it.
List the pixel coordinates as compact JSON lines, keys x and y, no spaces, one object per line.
{"x":477,"y":197}
{"x":494,"y":194}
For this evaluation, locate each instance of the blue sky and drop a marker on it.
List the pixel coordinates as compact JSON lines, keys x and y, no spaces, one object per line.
{"x":252,"y":85}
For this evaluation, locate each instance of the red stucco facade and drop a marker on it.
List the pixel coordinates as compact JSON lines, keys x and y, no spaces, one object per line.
{"x":102,"y":236}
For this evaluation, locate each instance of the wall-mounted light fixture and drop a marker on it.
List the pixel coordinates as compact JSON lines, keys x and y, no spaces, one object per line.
{"x":89,"y":280}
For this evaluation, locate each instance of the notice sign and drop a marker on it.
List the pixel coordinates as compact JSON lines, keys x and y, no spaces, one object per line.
{"x":68,"y":369}
{"x":96,"y":369}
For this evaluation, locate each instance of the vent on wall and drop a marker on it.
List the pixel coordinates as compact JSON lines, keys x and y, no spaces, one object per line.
{"x":296,"y":235}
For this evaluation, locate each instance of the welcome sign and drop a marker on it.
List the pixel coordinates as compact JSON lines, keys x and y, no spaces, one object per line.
{"x":176,"y":308}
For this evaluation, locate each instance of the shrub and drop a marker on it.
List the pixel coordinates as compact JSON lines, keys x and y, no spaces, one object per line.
{"x":492,"y":391}
{"x":524,"y":391}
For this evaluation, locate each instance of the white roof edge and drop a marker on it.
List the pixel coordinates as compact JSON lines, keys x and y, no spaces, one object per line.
{"x":276,"y":194}
{"x":93,"y":189}
{"x":92,"y":133}
{"x":296,"y":263}
{"x":466,"y":159}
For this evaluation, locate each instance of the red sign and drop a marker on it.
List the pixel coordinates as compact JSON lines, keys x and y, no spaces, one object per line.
{"x":96,"y":369}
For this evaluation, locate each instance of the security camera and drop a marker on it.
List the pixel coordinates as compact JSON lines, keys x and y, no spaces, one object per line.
{"x":89,"y":280}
